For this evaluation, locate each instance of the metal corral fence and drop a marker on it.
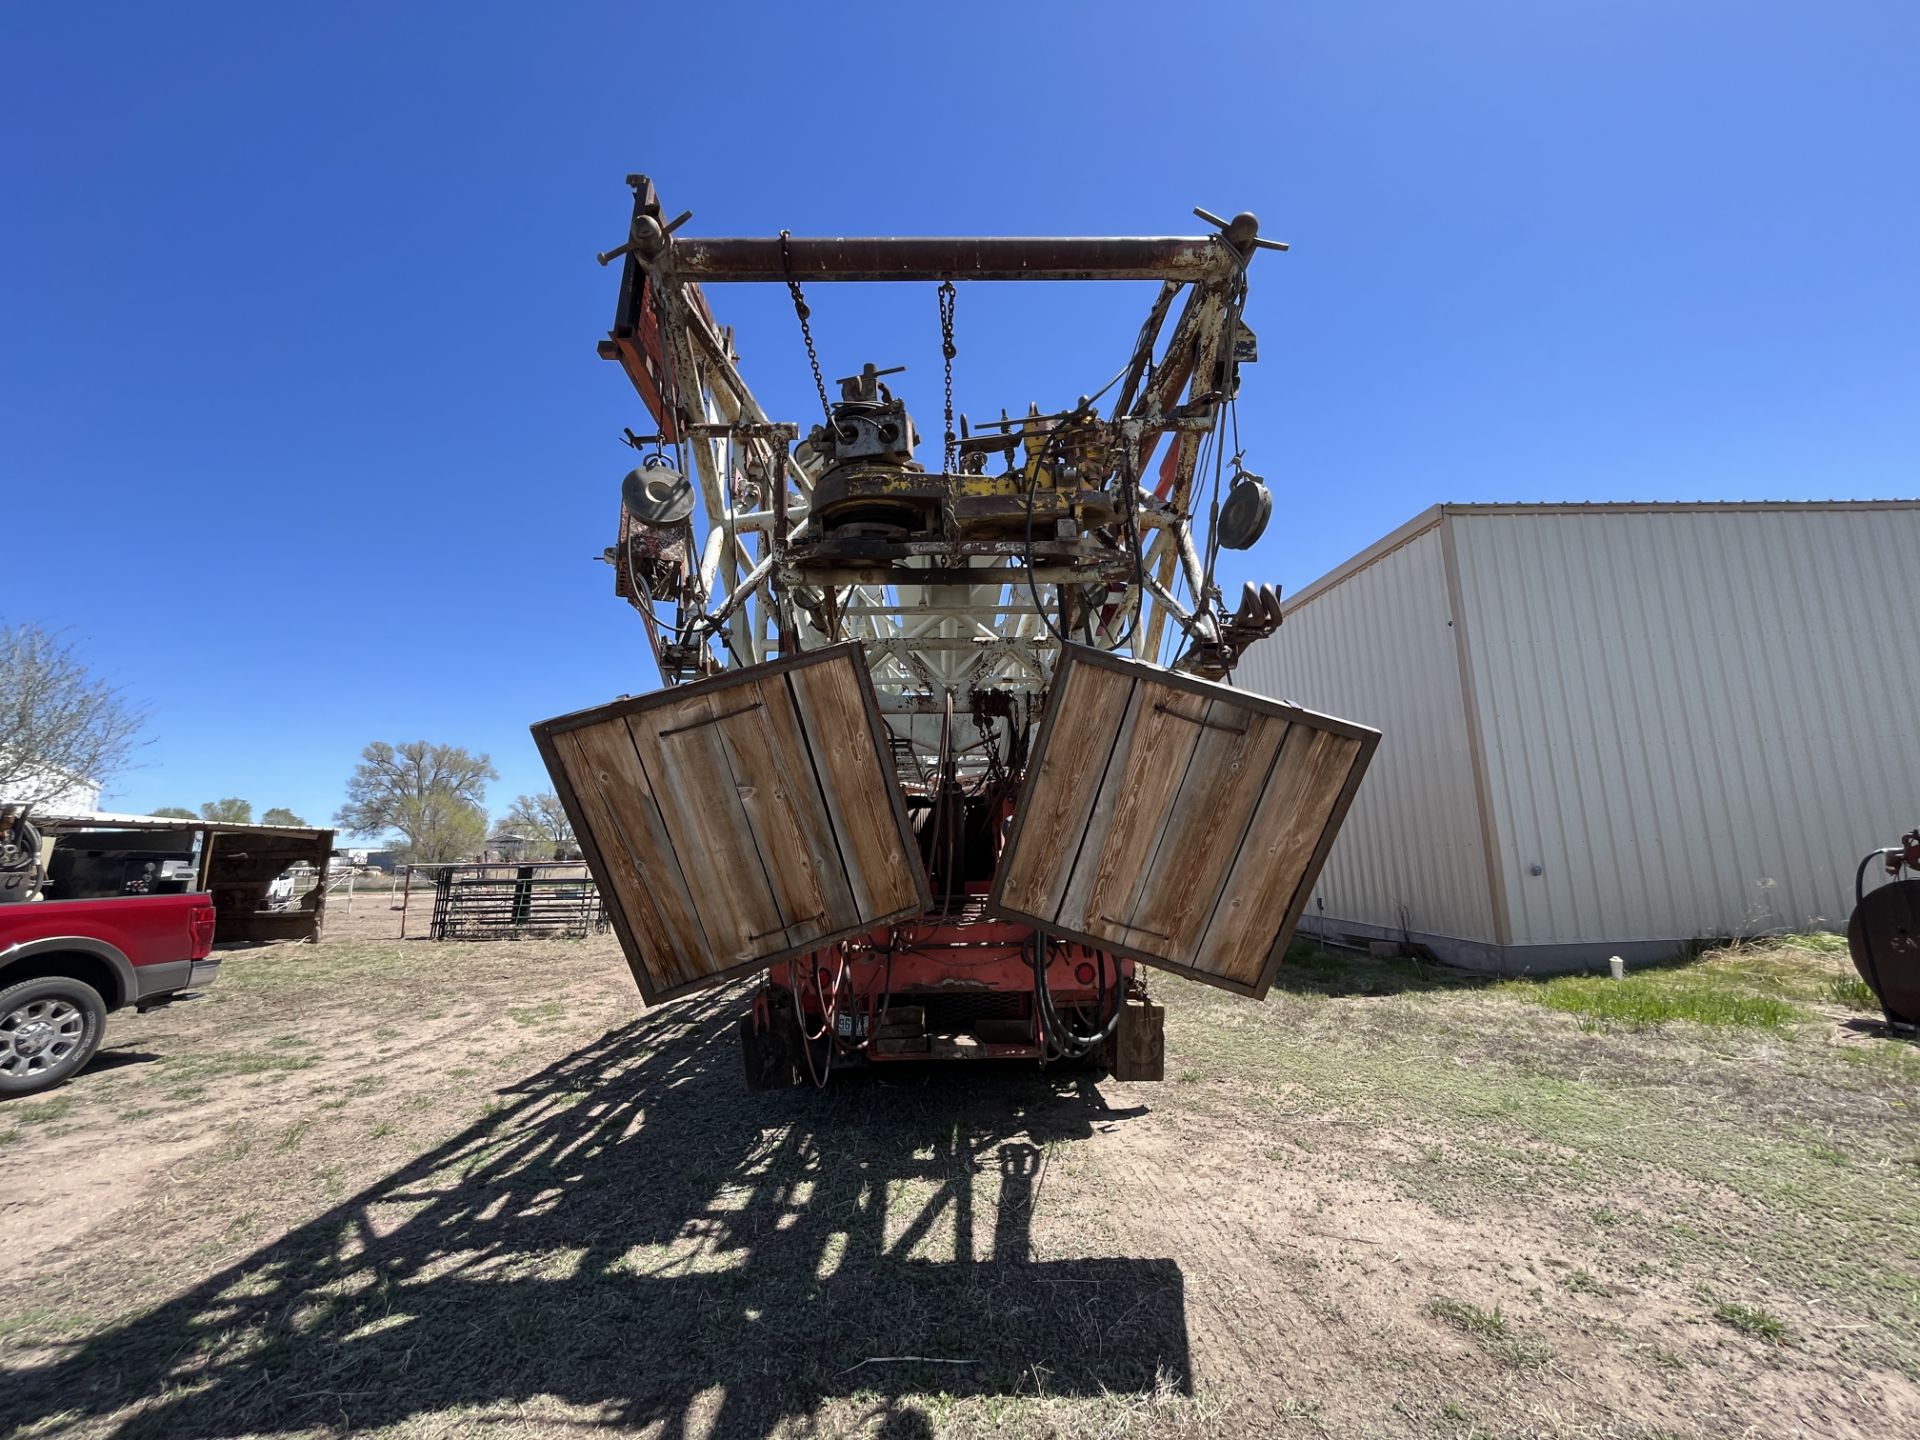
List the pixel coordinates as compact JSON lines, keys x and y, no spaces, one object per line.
{"x":555,"y":899}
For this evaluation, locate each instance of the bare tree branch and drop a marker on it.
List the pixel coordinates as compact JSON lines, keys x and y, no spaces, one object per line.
{"x":58,"y":724}
{"x":543,"y":816}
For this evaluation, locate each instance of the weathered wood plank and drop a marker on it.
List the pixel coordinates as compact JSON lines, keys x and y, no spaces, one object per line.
{"x":623,"y":814}
{"x":1180,"y":884}
{"x":788,"y":813}
{"x":1149,"y":763}
{"x":856,"y":779}
{"x":1090,"y":713}
{"x":708,"y":825}
{"x":1301,"y":794}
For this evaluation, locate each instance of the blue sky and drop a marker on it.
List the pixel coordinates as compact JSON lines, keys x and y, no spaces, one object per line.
{"x":303,"y":437}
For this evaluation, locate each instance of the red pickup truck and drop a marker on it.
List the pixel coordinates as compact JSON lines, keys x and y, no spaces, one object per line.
{"x":65,"y":963}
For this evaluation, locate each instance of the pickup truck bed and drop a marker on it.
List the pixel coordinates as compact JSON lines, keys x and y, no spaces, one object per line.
{"x":65,"y":963}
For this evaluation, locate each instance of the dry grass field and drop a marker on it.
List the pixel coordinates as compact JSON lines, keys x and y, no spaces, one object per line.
{"x":414,"y":1189}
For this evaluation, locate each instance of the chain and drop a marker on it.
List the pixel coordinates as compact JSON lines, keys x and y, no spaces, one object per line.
{"x":806,"y":331}
{"x":947,"y":296}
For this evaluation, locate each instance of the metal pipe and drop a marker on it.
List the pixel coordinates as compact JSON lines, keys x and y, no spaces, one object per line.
{"x":710,"y":560}
{"x":1205,"y":258}
{"x":737,"y":597}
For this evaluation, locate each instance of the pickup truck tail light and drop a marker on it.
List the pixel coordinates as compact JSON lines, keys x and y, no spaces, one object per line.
{"x":200,"y":923}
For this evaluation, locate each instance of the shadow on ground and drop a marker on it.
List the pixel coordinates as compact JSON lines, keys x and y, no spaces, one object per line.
{"x":112,"y":1059}
{"x":633,"y":1233}
{"x":1344,"y":974}
{"x":1883,"y":1029}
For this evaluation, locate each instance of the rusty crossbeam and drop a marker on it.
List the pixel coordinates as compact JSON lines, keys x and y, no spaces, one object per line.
{"x":1204,"y":258}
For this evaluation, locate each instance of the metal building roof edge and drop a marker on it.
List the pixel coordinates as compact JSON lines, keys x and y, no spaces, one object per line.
{"x":1434,"y":514}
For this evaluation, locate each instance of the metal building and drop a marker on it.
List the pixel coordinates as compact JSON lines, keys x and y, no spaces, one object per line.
{"x":1612,"y":728}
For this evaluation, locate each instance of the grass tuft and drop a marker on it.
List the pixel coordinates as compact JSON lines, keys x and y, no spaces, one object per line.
{"x":1491,"y":1329}
{"x":1854,"y":993}
{"x":1752,"y":1320}
{"x":1583,"y":1282}
{"x":1653,"y":998}
{"x":1487,"y":1324}
{"x":41,"y":1112}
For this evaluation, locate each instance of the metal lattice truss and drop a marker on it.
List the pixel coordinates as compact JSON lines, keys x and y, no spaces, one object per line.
{"x":959,"y":586}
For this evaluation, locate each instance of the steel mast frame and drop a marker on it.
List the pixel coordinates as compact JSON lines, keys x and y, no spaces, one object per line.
{"x":929,"y":645}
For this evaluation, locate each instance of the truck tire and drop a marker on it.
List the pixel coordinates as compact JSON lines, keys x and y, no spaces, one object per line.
{"x":48,"y":1029}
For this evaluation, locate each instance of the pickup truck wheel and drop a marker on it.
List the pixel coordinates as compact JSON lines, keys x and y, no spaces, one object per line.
{"x":48,"y":1029}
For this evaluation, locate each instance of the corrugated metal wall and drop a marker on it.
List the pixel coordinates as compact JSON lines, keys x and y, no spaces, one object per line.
{"x":1694,"y":720}
{"x":1378,"y":648}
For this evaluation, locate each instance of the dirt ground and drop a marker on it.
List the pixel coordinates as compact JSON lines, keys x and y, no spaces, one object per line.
{"x":421,"y":1189}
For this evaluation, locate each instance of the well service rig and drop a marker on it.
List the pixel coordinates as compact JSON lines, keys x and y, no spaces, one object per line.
{"x":915,"y":763}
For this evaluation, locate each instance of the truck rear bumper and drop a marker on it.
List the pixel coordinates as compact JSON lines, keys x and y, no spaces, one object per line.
{"x":160,"y":979}
{"x":156,"y":984}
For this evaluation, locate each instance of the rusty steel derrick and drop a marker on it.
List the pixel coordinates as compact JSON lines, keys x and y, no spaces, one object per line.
{"x":744,"y":536}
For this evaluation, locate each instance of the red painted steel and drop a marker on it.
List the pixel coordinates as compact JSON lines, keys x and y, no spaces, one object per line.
{"x":910,"y":963}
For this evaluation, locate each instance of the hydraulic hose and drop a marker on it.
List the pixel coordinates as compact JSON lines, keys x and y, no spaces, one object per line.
{"x":1056,"y":1032}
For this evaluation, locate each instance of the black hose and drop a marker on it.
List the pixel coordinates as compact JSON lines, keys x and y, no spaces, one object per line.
{"x":1057,"y":1034}
{"x":1860,"y":875}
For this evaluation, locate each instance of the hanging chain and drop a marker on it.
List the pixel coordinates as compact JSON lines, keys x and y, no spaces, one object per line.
{"x":806,"y":331}
{"x":947,"y":296}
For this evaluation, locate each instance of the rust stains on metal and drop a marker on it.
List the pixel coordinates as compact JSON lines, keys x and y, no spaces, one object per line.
{"x":754,"y":258}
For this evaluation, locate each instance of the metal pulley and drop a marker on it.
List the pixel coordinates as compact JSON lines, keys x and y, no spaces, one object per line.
{"x":657,"y":494}
{"x":1244,"y":516}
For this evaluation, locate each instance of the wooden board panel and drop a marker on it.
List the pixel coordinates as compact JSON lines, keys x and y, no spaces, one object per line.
{"x":1065,"y":783}
{"x":685,"y":750}
{"x":882,"y":862}
{"x":781,"y":797}
{"x":1177,"y":821}
{"x":1274,"y":856}
{"x":1205,"y":826}
{"x":1144,"y":776}
{"x":739,"y":820}
{"x":618,"y":806}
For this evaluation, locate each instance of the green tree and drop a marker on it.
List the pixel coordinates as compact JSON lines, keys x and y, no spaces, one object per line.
{"x":176,"y":812}
{"x":231,"y":811}
{"x":543,"y":820}
{"x":434,"y":795}
{"x":280,"y":815}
